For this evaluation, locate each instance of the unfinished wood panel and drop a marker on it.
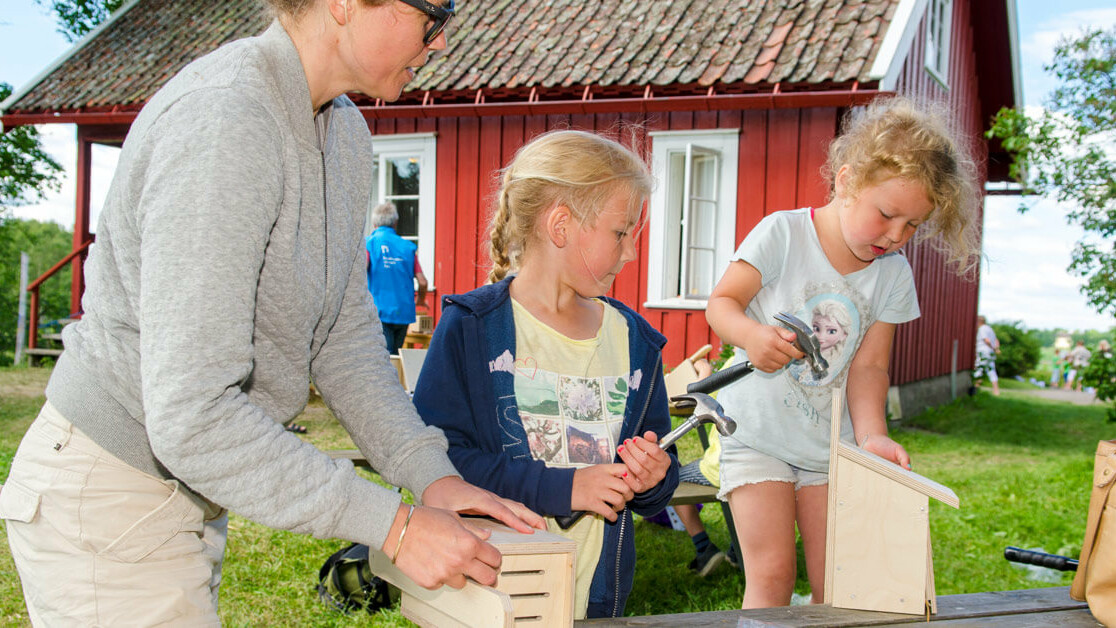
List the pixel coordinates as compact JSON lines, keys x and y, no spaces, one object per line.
{"x":880,"y":539}
{"x":535,"y":585}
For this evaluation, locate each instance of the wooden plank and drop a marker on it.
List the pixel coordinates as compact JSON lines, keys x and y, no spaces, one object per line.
{"x":1007,"y":608}
{"x":691,"y":493}
{"x":898,"y":474}
{"x":879,"y":543}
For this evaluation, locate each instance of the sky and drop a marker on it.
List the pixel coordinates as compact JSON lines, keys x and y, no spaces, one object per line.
{"x":1023,"y":276}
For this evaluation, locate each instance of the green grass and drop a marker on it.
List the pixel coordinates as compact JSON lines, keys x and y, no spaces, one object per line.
{"x":1020,"y":465}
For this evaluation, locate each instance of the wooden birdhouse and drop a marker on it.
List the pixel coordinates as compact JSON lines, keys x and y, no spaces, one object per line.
{"x":535,"y":585}
{"x":878,"y":531}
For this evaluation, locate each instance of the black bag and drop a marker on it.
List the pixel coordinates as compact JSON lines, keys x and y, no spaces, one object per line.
{"x":345,"y":582}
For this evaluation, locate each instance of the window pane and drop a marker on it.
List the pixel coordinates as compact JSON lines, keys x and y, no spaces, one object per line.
{"x":700,"y":284}
{"x":673,"y":228}
{"x":703,"y":223}
{"x":408,"y":217}
{"x":403,"y":176}
{"x":705,"y":177}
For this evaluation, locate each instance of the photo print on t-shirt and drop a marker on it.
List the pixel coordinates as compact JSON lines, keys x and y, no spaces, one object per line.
{"x":571,"y":421}
{"x":832,"y":312}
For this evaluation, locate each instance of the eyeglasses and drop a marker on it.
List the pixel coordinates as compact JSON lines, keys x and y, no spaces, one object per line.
{"x":439,"y":15}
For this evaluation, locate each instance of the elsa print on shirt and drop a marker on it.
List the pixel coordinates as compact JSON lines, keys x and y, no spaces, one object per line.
{"x":836,"y":323}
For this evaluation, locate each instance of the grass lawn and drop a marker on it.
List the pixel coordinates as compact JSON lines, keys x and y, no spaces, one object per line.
{"x":1020,"y":465}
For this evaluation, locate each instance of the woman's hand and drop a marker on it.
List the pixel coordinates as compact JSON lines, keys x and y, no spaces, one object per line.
{"x":602,"y":489}
{"x":647,"y":463}
{"x":884,"y":447}
{"x":770,"y":347}
{"x":455,"y":494}
{"x":438,"y":549}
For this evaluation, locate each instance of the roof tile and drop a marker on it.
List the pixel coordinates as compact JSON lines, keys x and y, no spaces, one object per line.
{"x":499,"y":44}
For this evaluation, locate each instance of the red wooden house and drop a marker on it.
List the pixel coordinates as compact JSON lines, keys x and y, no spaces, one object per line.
{"x":732,"y":101}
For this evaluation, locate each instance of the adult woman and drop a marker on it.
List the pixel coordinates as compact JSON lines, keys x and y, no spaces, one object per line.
{"x":228,"y":273}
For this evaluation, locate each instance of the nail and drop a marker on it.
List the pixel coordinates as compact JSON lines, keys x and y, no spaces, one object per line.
{"x":620,"y":449}
{"x":625,"y":474}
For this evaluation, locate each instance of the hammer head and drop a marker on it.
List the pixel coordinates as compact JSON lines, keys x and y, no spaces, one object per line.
{"x":807,"y":342}
{"x":706,"y":410}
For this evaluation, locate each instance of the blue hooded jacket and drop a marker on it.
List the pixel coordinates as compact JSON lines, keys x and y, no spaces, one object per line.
{"x":474,"y":404}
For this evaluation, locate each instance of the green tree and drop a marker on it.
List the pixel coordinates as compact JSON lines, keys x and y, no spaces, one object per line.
{"x":26,"y":170}
{"x":45,"y":243}
{"x":1101,"y":375}
{"x":1020,"y":349}
{"x":1066,"y":153}
{"x":78,"y":17}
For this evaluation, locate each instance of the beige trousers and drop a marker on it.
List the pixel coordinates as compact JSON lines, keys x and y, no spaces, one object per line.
{"x":99,"y":543}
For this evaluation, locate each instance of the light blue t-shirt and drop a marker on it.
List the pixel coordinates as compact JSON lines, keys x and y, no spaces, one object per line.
{"x":786,"y":414}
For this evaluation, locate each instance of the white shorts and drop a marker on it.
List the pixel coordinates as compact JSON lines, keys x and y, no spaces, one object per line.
{"x":744,"y":465}
{"x":97,"y":542}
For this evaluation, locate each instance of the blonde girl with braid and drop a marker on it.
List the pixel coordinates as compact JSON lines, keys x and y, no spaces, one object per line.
{"x":897,"y":171}
{"x":549,"y":392}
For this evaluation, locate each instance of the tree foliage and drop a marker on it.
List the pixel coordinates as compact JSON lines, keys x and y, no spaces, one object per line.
{"x":1101,"y":375}
{"x":1020,"y":349}
{"x":26,"y":170}
{"x":1068,"y":153}
{"x":45,"y":243}
{"x":78,"y":17}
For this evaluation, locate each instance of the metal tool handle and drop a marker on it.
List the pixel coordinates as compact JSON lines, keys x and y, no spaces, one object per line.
{"x":1042,"y":559}
{"x":565,"y":522}
{"x":721,"y":378}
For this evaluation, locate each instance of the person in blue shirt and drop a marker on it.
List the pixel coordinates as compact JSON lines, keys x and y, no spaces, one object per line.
{"x":393,"y":271}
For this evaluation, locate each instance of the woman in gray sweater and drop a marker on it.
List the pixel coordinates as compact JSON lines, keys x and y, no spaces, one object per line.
{"x":227,"y":275}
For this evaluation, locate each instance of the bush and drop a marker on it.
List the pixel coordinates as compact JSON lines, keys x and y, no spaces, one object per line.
{"x":1101,"y":375}
{"x":1020,"y":349}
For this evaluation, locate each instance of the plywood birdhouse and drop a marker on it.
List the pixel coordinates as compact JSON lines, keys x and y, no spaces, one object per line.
{"x":535,"y":585}
{"x":878,"y":531}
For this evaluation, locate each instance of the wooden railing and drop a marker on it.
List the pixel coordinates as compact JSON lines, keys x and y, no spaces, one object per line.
{"x":33,"y":288}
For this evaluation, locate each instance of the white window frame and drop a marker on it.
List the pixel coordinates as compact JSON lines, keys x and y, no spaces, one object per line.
{"x":665,"y":265}
{"x":423,"y":146}
{"x":939,"y":25}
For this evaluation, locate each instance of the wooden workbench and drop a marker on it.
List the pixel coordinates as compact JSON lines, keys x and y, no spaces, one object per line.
{"x":1026,"y":608}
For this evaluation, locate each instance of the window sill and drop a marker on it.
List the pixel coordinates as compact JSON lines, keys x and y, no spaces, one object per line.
{"x":677,"y":304}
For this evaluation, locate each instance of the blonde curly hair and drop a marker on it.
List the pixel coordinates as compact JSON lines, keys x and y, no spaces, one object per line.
{"x":577,"y":169}
{"x":897,"y":137}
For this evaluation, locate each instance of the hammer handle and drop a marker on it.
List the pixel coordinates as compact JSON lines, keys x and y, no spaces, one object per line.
{"x":1042,"y":559}
{"x":565,"y":521}
{"x":721,"y":378}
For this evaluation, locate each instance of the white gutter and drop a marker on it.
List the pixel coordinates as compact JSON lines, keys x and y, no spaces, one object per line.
{"x":897,"y":43}
{"x":1013,"y":42}
{"x":81,"y":43}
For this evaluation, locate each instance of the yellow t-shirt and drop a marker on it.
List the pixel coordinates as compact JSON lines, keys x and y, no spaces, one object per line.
{"x":571,"y":396}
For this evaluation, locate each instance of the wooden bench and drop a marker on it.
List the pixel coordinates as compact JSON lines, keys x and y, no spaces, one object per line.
{"x":1026,"y":608}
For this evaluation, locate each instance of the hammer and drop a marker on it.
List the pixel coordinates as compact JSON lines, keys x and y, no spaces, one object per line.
{"x":706,"y":410}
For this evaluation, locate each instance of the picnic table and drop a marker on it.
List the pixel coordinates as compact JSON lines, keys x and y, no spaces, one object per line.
{"x":1050,"y":606}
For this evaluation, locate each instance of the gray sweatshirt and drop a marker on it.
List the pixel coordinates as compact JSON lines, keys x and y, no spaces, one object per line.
{"x":228,"y":273}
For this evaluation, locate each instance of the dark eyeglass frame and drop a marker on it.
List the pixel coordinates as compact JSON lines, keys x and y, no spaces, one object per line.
{"x":440,"y":15}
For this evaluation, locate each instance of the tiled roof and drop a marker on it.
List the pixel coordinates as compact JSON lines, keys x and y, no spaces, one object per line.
{"x":512,"y":45}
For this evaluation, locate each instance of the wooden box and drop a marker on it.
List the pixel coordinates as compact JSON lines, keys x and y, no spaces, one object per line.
{"x":424,"y":324}
{"x":535,"y":586}
{"x":878,"y":531}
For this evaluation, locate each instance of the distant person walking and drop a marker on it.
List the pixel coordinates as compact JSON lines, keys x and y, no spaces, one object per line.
{"x":393,"y":270}
{"x":1078,"y":360}
{"x":987,"y":348}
